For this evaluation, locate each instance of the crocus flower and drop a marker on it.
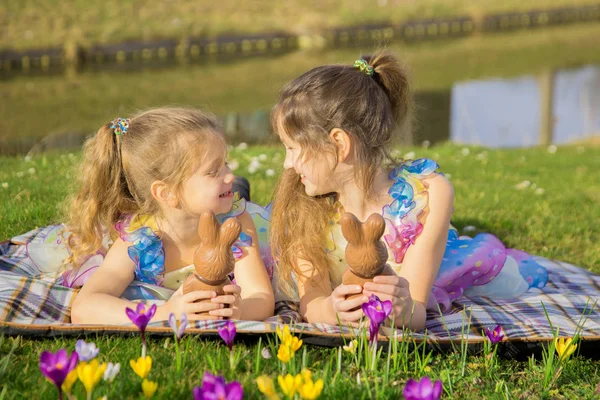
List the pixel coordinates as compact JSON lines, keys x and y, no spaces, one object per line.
{"x":70,"y":381}
{"x":564,"y":348}
{"x":90,"y":374}
{"x":266,"y":387}
{"x":149,"y":388}
{"x":351,"y":346}
{"x":310,"y":390}
{"x":422,"y":390}
{"x":227,"y":333}
{"x":140,"y":318}
{"x":57,"y":366}
{"x":86,"y":351}
{"x":290,"y":384}
{"x":377,"y":312}
{"x":111,"y":372}
{"x":141,"y":366}
{"x":283,"y":333}
{"x":494,"y":336}
{"x":265,"y":353}
{"x":178,"y":325}
{"x":284,"y":353}
{"x":215,"y":387}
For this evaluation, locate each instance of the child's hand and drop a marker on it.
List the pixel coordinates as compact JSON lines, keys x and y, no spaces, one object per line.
{"x":348,"y":311}
{"x":393,"y":288}
{"x":233,"y":299}
{"x":186,"y":303}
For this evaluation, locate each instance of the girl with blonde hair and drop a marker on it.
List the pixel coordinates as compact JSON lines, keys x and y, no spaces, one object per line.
{"x":133,"y":222}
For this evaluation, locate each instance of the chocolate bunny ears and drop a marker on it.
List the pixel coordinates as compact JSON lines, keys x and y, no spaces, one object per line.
{"x":366,"y":254}
{"x":213,"y":259}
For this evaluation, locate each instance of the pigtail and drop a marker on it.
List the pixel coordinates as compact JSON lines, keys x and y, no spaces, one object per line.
{"x":102,"y":195}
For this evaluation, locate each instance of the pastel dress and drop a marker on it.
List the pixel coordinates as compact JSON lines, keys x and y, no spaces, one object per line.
{"x":46,"y":254}
{"x":478,"y":266}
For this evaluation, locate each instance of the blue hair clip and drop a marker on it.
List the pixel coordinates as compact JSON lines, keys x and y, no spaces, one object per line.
{"x":120,"y":126}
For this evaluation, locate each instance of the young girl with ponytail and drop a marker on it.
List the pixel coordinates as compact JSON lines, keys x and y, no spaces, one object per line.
{"x":337,"y":123}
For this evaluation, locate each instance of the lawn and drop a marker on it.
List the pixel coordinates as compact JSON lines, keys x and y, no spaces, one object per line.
{"x":542,"y":200}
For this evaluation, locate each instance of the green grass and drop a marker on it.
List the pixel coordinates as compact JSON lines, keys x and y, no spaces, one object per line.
{"x":37,"y":23}
{"x":559,"y":223}
{"x":35,"y":106}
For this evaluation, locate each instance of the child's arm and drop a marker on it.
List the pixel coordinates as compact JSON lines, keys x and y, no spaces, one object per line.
{"x":98,"y":301}
{"x":257,"y":299}
{"x":410,"y":290}
{"x":318,"y":303}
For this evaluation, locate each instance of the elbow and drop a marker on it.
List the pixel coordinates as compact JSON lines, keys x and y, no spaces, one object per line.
{"x":77,"y":311}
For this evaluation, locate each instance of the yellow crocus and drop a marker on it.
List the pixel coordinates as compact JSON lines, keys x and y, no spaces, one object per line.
{"x":285,"y":353}
{"x":283,"y":334}
{"x":69,"y":381}
{"x":294,"y":343}
{"x":90,"y":374}
{"x":289,"y":384}
{"x":266,"y":387}
{"x":564,"y":348}
{"x":149,"y":388}
{"x":311,"y":390}
{"x":351,"y":347}
{"x":142,"y":366}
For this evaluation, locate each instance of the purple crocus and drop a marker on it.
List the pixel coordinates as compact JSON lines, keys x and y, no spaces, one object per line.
{"x":422,"y":390}
{"x":214,"y":387}
{"x":140,"y":317}
{"x":377,"y":312}
{"x":494,"y":336}
{"x":227,"y":333}
{"x":178,"y":326}
{"x":57,"y":366}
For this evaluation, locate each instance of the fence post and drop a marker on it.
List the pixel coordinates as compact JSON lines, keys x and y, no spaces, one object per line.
{"x":546,"y":85}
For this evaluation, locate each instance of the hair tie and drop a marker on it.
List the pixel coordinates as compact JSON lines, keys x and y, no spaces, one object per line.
{"x":120,"y":126}
{"x":364,"y":67}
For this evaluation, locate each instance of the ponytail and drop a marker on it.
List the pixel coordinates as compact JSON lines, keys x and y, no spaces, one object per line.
{"x":103,"y":194}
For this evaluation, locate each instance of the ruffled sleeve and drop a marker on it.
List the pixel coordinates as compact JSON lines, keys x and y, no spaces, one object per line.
{"x":405,"y":215}
{"x":147,"y":249}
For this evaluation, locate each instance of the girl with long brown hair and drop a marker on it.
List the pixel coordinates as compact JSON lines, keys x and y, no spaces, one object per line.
{"x":337,"y":123}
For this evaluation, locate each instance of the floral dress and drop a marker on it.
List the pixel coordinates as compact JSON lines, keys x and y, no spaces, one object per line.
{"x":479,"y":266}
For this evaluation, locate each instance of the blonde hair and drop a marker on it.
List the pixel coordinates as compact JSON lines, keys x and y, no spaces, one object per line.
{"x":115,"y":176}
{"x":370,"y":109}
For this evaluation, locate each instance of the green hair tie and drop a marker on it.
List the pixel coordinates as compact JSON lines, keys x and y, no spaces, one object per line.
{"x":364,"y":67}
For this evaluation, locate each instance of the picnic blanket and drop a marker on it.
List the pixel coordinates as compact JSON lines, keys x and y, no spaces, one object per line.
{"x":35,"y":304}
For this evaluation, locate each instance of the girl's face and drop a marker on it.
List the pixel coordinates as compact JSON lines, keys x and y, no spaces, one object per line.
{"x":316,"y":172}
{"x":209,"y":188}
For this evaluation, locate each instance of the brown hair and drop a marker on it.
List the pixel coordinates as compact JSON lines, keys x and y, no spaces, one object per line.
{"x":370,"y":109}
{"x":115,"y":176}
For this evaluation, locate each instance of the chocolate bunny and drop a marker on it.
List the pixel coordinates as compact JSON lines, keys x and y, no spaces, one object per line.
{"x":366,"y":254}
{"x":213,"y":259}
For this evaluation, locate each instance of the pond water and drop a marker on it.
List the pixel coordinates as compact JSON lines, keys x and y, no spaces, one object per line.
{"x":479,"y":90}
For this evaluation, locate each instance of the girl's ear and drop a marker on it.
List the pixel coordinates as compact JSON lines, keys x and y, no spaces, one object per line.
{"x":342,"y":141}
{"x":163,"y":194}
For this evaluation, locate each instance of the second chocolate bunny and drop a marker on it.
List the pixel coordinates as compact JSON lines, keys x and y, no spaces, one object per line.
{"x":366,"y":254}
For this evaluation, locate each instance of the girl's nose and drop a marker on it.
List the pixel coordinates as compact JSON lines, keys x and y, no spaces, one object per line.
{"x":229,"y":176}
